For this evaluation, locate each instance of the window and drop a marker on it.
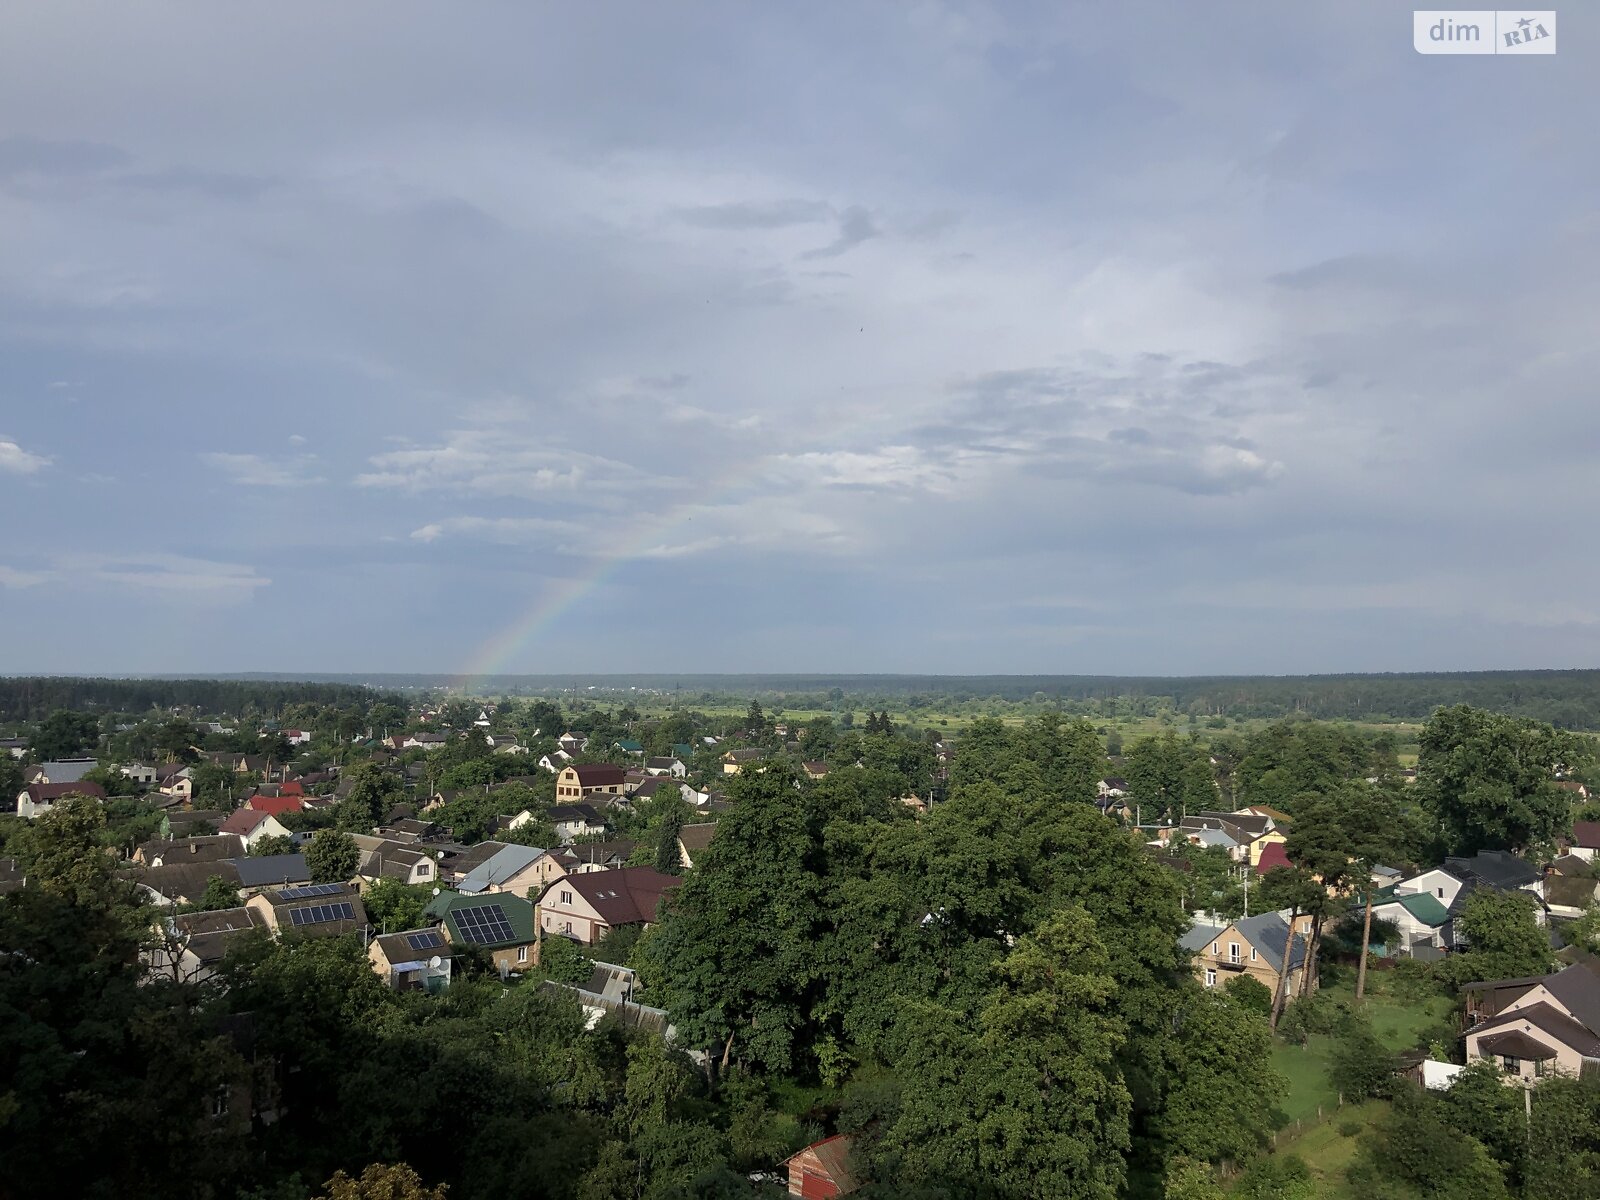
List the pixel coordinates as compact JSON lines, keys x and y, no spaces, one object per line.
{"x":522,"y":954}
{"x":569,"y":927}
{"x":566,"y":897}
{"x":1540,"y":1066}
{"x":1252,"y":954}
{"x":1513,"y":1066}
{"x":1216,"y":947}
{"x":1233,"y":952}
{"x":219,"y":1102}
{"x":1439,"y":892}
{"x":1211,"y":979}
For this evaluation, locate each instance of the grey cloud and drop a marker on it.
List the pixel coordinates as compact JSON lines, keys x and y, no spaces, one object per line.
{"x":855,"y":226}
{"x":755,"y":214}
{"x":30,"y":155}
{"x":218,"y":185}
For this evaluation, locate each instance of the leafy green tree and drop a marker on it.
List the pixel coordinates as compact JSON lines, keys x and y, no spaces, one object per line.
{"x":1191,"y":1180}
{"x":64,"y":733}
{"x":1490,"y":779}
{"x":1361,"y":1065}
{"x":219,"y":893}
{"x":669,"y":859}
{"x":273,"y":844}
{"x":1224,"y":1091}
{"x":561,"y":960}
{"x":1030,"y":1100}
{"x":372,"y":794}
{"x":1503,"y":938}
{"x":381,"y":1181}
{"x":1418,"y":1150}
{"x":392,"y":906}
{"x":332,"y":856}
{"x":1249,"y":994}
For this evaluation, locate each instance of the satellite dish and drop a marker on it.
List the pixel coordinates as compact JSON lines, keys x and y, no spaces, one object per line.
{"x":436,"y":962}
{"x":435,"y":891}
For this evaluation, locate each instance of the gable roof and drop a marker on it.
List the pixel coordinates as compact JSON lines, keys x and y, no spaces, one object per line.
{"x":1499,"y":869}
{"x":625,"y":896}
{"x":1272,"y":857}
{"x":697,"y":837}
{"x":1267,"y":933}
{"x":276,"y":806}
{"x":498,"y":868}
{"x":49,"y":793}
{"x":573,"y":812}
{"x":65,"y":770}
{"x":1586,"y":834}
{"x":211,"y":847}
{"x":414,"y":946}
{"x":449,"y":906}
{"x":1569,"y":891}
{"x":597,"y":774}
{"x":209,"y":934}
{"x":267,"y":869}
{"x":1421,"y":905}
{"x":322,"y":909}
{"x":833,"y":1156}
{"x":1495,"y":1033}
{"x":243,"y":821}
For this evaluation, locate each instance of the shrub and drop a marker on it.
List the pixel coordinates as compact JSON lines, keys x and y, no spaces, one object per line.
{"x":1349,"y":1128}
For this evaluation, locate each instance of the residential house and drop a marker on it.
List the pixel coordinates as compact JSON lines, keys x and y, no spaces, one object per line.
{"x":497,"y":923}
{"x":39,"y":798}
{"x":735,"y":761}
{"x":1422,"y":920}
{"x":554,"y":761}
{"x":1272,"y":857}
{"x":260,"y":872}
{"x":1279,"y":817}
{"x":1585,"y":840}
{"x":314,"y":910}
{"x":179,"y":784}
{"x":1112,"y":787}
{"x":194,"y":944}
{"x":297,"y":737}
{"x":582,"y":780}
{"x":666,"y":766}
{"x":694,"y":840}
{"x":520,"y":870}
{"x":1498,"y":869}
{"x":505,"y":824}
{"x":815,"y":770}
{"x":66,"y":770}
{"x":573,"y":743}
{"x":573,"y":821}
{"x":1537,"y":1026}
{"x":505,"y":744}
{"x":682,"y":750}
{"x":1251,"y":833}
{"x":206,"y":849}
{"x":401,"y":861}
{"x":1577,"y":790}
{"x":1252,"y":946}
{"x":456,"y":866}
{"x":629,"y":747}
{"x":915,"y":803}
{"x":586,"y":907}
{"x":609,"y":991}
{"x":142,"y":773}
{"x":1569,"y":895}
{"x":251,"y":826}
{"x":407,"y":829}
{"x":415,"y":960}
{"x":15,"y":747}
{"x":822,"y":1169}
{"x":587,"y":857}
{"x":182,"y":882}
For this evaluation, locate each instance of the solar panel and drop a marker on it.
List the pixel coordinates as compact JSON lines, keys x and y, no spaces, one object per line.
{"x":485,"y":925}
{"x":314,"y":889}
{"x":425,"y":940}
{"x":316,"y":914}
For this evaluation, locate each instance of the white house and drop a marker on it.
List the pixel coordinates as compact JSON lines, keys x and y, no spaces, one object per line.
{"x":252,"y":826}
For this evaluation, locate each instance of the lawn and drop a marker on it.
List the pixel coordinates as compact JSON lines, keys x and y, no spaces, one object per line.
{"x":1328,"y":1152}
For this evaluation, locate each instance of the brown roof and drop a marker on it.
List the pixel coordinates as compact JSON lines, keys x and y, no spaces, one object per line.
{"x":209,"y":848}
{"x":185,"y":881}
{"x":625,"y":896}
{"x":1545,"y":1018}
{"x":598,"y":774}
{"x":49,"y":793}
{"x":1586,"y":834}
{"x":697,"y":837}
{"x":243,"y":821}
{"x":832,"y":1156}
{"x":210,"y":933}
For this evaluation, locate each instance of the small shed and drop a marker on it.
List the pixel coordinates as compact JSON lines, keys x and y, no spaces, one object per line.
{"x":822,"y":1169}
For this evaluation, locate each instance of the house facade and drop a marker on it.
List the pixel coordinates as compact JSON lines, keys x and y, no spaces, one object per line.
{"x":1253,"y":946}
{"x":575,"y":782}
{"x":587,"y":906}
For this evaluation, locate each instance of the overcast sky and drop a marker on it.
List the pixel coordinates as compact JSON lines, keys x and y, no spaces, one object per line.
{"x":850,"y":337}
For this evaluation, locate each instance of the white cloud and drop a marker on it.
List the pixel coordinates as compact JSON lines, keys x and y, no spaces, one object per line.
{"x":255,"y":470}
{"x":15,"y":459}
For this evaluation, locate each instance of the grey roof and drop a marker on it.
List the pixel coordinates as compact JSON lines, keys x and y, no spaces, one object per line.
{"x":1198,"y":936}
{"x":271,"y":869}
{"x":1498,"y":869}
{"x":1578,"y":989}
{"x":1267,"y":933}
{"x":498,"y":868}
{"x":69,"y":770}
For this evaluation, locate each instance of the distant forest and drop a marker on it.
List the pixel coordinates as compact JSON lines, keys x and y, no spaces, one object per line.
{"x":32,"y":698}
{"x":1566,"y":699}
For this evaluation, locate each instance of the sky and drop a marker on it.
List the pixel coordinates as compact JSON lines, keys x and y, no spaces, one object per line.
{"x":906,"y":337}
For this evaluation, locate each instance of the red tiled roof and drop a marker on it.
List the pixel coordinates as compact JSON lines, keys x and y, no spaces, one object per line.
{"x":275,"y":806}
{"x":1272,"y":856}
{"x":243,"y":821}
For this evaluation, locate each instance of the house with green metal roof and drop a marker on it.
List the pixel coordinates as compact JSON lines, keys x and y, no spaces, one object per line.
{"x":498,"y":923}
{"x":1422,"y":919}
{"x":628,"y":747}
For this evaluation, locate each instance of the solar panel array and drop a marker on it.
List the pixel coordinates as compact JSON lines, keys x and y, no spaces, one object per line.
{"x":485,"y":925}
{"x":428,"y":939}
{"x":316,"y":914}
{"x":314,"y":889}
